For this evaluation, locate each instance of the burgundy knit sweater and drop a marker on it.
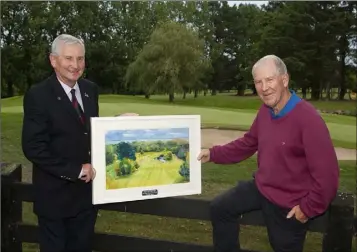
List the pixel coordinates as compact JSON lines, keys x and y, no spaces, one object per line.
{"x":297,"y":163}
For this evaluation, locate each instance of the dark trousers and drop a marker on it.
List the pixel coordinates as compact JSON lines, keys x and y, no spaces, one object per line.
{"x":285,"y":235}
{"x":70,"y":234}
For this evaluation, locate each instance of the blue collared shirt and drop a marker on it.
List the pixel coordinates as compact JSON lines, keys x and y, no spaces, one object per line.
{"x":290,"y":105}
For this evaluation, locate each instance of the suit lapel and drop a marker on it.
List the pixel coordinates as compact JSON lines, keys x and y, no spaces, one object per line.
{"x":62,"y":97}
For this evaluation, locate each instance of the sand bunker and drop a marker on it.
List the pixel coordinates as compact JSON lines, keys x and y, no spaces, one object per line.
{"x":216,"y":136}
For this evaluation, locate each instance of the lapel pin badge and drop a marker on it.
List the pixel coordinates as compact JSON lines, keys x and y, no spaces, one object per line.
{"x":58,"y":98}
{"x":86,"y":95}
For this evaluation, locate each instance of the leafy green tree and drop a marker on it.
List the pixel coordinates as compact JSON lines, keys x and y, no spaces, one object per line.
{"x":171,"y":61}
{"x":109,"y":158}
{"x":184,"y":170}
{"x":125,"y":167}
{"x":182,"y":47}
{"x":125,"y":150}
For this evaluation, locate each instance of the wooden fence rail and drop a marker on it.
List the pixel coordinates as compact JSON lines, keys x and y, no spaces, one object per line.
{"x":336,"y":224}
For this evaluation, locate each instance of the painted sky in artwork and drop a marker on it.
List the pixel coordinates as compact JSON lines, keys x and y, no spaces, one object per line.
{"x":115,"y":136}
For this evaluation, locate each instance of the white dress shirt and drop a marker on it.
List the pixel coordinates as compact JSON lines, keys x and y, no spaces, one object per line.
{"x":68,"y":89}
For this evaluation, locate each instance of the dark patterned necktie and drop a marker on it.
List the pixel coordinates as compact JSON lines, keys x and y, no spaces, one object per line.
{"x":77,"y":106}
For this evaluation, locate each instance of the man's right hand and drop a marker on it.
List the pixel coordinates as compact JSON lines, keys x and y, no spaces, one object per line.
{"x":204,"y":156}
{"x":88,"y":173}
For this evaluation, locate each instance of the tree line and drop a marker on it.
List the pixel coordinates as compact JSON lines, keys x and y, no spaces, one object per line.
{"x":181,"y":47}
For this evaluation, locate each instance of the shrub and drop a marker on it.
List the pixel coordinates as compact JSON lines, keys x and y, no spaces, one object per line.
{"x":182,"y":152}
{"x":185,"y":170}
{"x":168,"y":156}
{"x":109,"y":157}
{"x":125,"y":167}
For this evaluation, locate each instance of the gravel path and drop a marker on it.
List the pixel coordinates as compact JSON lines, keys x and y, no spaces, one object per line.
{"x":216,"y":136}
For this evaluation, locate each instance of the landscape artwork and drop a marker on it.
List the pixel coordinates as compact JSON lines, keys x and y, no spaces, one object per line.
{"x":146,"y":157}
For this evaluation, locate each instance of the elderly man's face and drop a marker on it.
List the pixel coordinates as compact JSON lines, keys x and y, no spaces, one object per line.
{"x":69,"y":64}
{"x":270,"y":85}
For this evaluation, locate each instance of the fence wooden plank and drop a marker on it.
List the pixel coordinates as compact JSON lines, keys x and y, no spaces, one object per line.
{"x":197,"y":209}
{"x":339,"y":235}
{"x":11,"y":208}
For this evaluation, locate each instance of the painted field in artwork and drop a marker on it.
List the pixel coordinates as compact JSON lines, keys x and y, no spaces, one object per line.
{"x":147,"y":157}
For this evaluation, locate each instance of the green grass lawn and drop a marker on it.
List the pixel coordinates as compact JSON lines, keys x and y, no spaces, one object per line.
{"x":151,"y":172}
{"x":215,"y":178}
{"x":342,"y":128}
{"x":226,"y":101}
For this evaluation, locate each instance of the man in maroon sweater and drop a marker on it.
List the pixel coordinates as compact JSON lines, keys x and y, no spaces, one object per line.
{"x":297,"y":175}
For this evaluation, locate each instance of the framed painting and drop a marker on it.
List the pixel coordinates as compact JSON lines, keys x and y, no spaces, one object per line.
{"x":145,"y":157}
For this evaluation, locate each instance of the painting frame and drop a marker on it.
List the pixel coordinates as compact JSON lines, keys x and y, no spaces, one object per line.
{"x":104,"y":127}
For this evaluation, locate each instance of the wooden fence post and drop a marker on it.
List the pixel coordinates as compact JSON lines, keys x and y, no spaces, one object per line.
{"x":11,"y":209}
{"x":339,"y":233}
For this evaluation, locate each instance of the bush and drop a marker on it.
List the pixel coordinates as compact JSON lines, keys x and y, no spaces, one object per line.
{"x":185,"y":170}
{"x":181,"y":154}
{"x":109,"y":157}
{"x":168,"y":156}
{"x":136,"y":165}
{"x":125,"y":167}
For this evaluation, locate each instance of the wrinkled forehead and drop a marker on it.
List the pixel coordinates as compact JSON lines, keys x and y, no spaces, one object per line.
{"x":71,"y":49}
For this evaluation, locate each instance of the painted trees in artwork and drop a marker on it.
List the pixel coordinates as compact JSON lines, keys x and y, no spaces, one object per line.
{"x":126,"y":155}
{"x":125,"y":150}
{"x":109,"y":154}
{"x":125,"y":158}
{"x":183,"y":154}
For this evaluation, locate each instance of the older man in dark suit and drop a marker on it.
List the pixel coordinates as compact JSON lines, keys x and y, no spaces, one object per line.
{"x":56,"y":139}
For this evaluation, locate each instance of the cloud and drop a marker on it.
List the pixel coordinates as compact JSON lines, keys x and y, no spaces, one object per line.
{"x":128,"y":135}
{"x":146,"y":134}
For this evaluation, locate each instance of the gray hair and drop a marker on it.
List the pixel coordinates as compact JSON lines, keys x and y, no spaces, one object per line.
{"x":279,"y":64}
{"x":65,"y":39}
